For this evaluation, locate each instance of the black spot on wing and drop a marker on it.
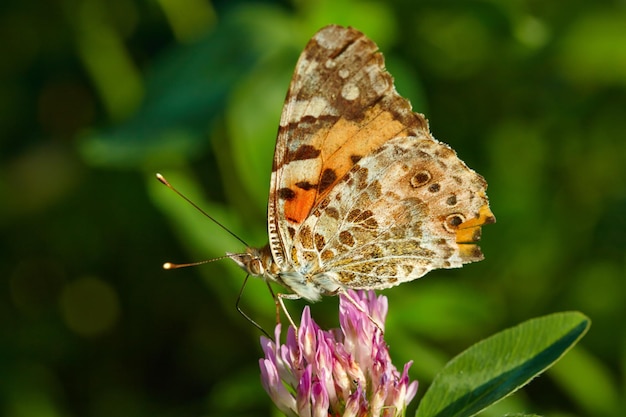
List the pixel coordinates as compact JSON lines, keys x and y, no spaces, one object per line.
{"x":286,"y":194}
{"x":328,"y":178}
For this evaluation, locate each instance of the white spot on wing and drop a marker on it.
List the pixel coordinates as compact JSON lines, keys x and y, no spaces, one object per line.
{"x":377,"y":81}
{"x":350,"y":92}
{"x":329,"y":38}
{"x":308,"y":67}
{"x":295,"y":109}
{"x":306,"y":169}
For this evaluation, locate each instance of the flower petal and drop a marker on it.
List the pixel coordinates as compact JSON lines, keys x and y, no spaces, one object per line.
{"x":346,"y":371}
{"x":303,"y":395}
{"x":276,"y":390}
{"x":319,"y":400}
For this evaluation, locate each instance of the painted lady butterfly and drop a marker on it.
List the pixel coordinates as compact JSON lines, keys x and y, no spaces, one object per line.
{"x":362,"y":196}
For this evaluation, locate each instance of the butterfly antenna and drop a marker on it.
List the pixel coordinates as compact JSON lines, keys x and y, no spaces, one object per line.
{"x":170,"y":265}
{"x":163,"y":181}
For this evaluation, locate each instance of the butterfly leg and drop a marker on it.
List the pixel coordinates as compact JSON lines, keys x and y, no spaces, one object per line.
{"x":238,"y":307}
{"x":275,"y":298}
{"x":279,"y":298}
{"x":280,"y":305}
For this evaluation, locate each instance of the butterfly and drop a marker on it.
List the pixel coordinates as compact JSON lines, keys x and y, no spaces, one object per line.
{"x":362,"y":196}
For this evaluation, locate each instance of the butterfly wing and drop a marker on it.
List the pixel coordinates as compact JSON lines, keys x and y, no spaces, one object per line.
{"x":341,"y":106}
{"x":410,"y":207}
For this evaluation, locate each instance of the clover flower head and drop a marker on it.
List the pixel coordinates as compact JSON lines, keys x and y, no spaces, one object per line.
{"x":340,"y":372}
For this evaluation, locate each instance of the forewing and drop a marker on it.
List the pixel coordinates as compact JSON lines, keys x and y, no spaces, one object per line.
{"x":341,"y":106}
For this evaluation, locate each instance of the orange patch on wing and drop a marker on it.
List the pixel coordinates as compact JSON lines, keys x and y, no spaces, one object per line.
{"x":471,"y":234}
{"x":470,"y":253}
{"x":469,"y":231}
{"x":347,"y":138}
{"x":298,"y":208}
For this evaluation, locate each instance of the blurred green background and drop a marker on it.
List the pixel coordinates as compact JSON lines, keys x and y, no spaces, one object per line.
{"x":96,"y":96}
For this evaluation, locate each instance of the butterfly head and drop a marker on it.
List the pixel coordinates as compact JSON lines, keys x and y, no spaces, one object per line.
{"x":254,"y":261}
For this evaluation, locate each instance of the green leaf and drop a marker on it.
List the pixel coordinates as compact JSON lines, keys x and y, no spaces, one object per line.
{"x":496,"y":367}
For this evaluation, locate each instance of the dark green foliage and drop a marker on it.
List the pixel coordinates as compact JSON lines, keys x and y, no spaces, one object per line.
{"x":96,"y":96}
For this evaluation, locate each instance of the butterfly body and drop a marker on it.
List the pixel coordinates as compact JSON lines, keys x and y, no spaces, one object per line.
{"x":361,"y":196}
